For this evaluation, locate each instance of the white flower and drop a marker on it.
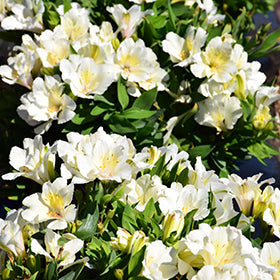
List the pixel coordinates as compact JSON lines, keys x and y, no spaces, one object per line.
{"x":185,"y":199}
{"x":215,"y":61}
{"x":128,"y":20}
{"x":85,"y":77}
{"x":98,"y":155}
{"x":46,"y":103}
{"x":11,"y":237}
{"x":160,"y":261}
{"x":53,"y":47}
{"x":19,"y":69}
{"x":65,"y":254}
{"x":221,"y":247}
{"x":221,"y":111}
{"x":266,"y":96}
{"x":172,"y":156}
{"x":245,"y":191}
{"x":210,"y":88}
{"x":53,"y":205}
{"x":205,"y":179}
{"x":211,"y":11}
{"x":270,"y":254}
{"x":140,"y":191}
{"x":75,"y":22}
{"x":135,"y":62}
{"x":156,"y":79}
{"x":182,"y":50}
{"x":35,"y":161}
{"x":272,"y":214}
{"x":27,"y":15}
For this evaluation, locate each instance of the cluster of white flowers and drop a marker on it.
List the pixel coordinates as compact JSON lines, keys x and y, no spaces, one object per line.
{"x":202,"y":219}
{"x":229,"y":77}
{"x":99,"y":60}
{"x":213,"y":251}
{"x":22,"y":15}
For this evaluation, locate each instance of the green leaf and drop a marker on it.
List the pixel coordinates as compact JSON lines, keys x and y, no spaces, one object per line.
{"x":103,"y":99}
{"x":87,"y":229}
{"x":74,"y":273}
{"x":52,"y":271}
{"x":51,"y":17}
{"x":150,"y":208}
{"x":269,"y":42}
{"x":100,"y":109}
{"x":34,"y":276}
{"x":121,"y":125}
{"x":146,"y":99}
{"x":72,"y":50}
{"x":135,"y":262}
{"x":233,"y":221}
{"x":202,"y":150}
{"x":137,"y":113}
{"x":158,"y":22}
{"x":158,"y":168}
{"x":122,"y":93}
{"x":172,"y":16}
{"x":183,"y":176}
{"x":67,"y":5}
{"x":12,"y":35}
{"x":129,"y":219}
{"x":262,"y":150}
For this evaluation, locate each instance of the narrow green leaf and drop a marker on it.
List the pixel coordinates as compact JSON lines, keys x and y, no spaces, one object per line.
{"x":146,"y":100}
{"x":135,"y":262}
{"x":74,"y":273}
{"x":171,"y":16}
{"x":34,"y":276}
{"x":72,"y":50}
{"x":87,"y":229}
{"x":137,"y":113}
{"x":157,"y":169}
{"x":128,"y":219}
{"x":52,"y":271}
{"x":150,"y":208}
{"x":183,"y":176}
{"x":122,"y":93}
{"x":269,"y":42}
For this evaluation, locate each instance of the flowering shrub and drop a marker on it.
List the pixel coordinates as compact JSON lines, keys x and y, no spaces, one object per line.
{"x":138,"y":111}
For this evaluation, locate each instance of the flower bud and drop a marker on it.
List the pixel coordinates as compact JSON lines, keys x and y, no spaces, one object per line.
{"x":118,"y":273}
{"x":262,"y":117}
{"x":31,"y":263}
{"x":137,"y":241}
{"x":127,"y":243}
{"x":173,"y":222}
{"x":121,"y":241}
{"x":115,"y":43}
{"x":7,"y":274}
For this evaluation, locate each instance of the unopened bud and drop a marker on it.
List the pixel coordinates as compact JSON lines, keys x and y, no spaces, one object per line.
{"x":137,"y":241}
{"x":173,"y":222}
{"x":121,"y":241}
{"x":127,"y":243}
{"x":262,"y":117}
{"x":31,"y":263}
{"x":118,"y":274}
{"x":7,"y":274}
{"x":115,"y":43}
